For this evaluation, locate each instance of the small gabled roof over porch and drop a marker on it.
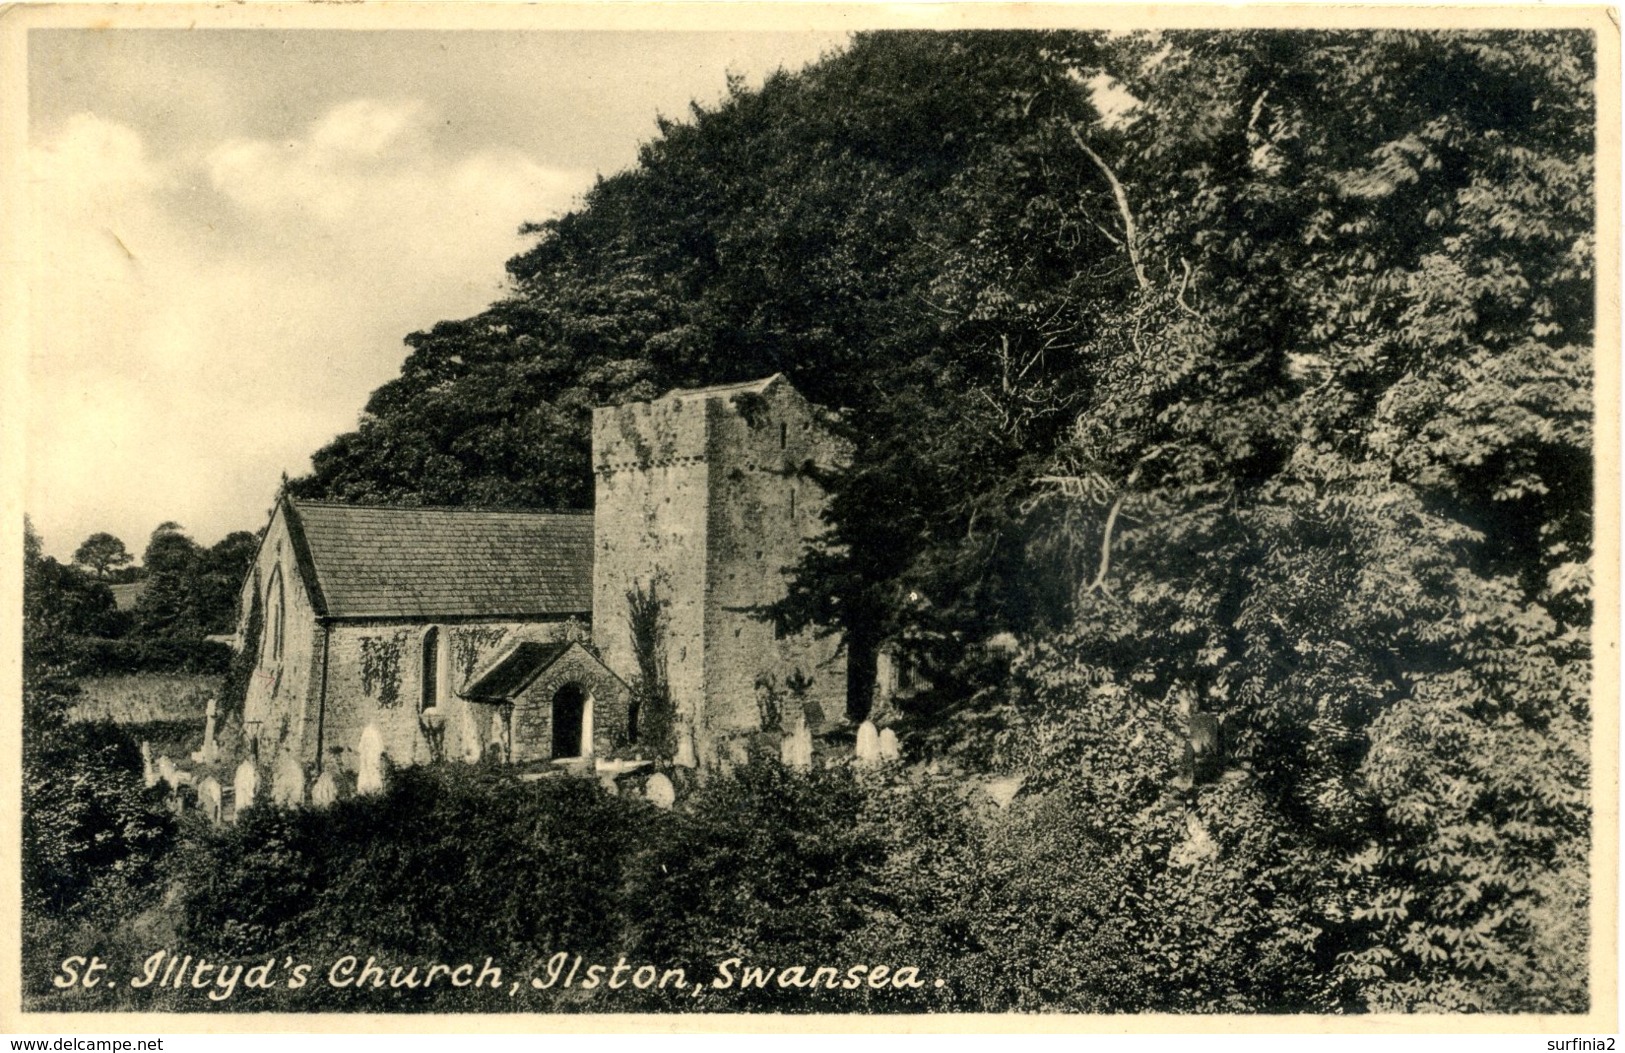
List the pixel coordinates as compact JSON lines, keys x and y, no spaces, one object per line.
{"x":509,"y":675}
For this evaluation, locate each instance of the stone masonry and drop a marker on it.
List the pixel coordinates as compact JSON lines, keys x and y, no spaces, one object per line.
{"x":704,"y":494}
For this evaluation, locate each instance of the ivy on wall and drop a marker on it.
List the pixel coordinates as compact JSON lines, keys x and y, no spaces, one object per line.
{"x":381,"y":668}
{"x":468,"y":644}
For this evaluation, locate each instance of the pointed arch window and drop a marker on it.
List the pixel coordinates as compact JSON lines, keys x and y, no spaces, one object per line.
{"x":431,"y":670}
{"x":276,"y":617}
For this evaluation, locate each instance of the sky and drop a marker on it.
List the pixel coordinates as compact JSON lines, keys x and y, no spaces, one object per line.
{"x":234,"y":230}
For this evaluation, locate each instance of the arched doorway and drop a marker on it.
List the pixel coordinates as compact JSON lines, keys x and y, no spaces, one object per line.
{"x":572,"y":721}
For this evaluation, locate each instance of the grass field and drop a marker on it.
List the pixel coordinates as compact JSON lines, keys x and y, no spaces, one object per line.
{"x":143,"y":698}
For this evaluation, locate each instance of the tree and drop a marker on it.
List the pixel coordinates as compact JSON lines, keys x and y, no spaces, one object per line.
{"x":102,"y":552}
{"x":59,"y":604}
{"x":1335,"y":469}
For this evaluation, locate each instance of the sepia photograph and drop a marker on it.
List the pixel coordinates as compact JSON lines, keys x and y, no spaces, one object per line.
{"x":606,"y":515}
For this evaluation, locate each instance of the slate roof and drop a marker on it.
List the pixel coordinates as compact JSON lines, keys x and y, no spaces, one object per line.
{"x":368,"y":561}
{"x":515,"y":670}
{"x":755,"y":387}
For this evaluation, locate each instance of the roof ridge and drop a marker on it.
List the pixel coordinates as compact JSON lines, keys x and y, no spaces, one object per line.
{"x":307,"y":503}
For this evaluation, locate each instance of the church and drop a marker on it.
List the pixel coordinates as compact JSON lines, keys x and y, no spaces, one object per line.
{"x":404,"y":635}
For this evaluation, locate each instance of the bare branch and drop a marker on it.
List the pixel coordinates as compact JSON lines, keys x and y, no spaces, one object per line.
{"x":1258,"y":108}
{"x":1183,"y":283}
{"x":1113,"y":238}
{"x":1099,"y":584}
{"x":1131,"y":236}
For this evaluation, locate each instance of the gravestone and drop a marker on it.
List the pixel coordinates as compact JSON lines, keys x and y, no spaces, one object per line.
{"x":501,"y":740}
{"x":370,"y":773}
{"x":288,"y":782}
{"x":889,"y":750}
{"x":326,"y":790}
{"x":473,"y":733}
{"x":868,"y":746}
{"x":173,"y":776}
{"x":210,"y":752}
{"x":796,"y":750}
{"x":208,"y":798}
{"x":659,"y":791}
{"x":685,"y":747}
{"x":244,"y":787}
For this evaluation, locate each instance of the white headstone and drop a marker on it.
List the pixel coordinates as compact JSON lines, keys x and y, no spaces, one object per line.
{"x":499,"y":744}
{"x":685,"y":747}
{"x":208,"y":797}
{"x":210,"y":751}
{"x":173,"y":776}
{"x":796,"y":750}
{"x":660,"y":791}
{"x":889,"y":750}
{"x":326,"y":790}
{"x":868,"y":747}
{"x":149,"y":769}
{"x":288,"y":782}
{"x":370,"y":771}
{"x":245,"y":786}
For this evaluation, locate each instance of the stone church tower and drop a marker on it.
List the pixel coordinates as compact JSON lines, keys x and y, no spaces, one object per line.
{"x":700,"y":494}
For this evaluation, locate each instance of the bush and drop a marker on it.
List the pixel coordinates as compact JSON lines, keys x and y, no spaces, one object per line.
{"x":93,"y":835}
{"x":763,"y":864}
{"x":491,"y":867}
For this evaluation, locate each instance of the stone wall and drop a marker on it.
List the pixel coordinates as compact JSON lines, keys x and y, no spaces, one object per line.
{"x":376,"y":679}
{"x":763,"y":510}
{"x":704,"y":494}
{"x":274,"y":709}
{"x":649,"y":524}
{"x":531,"y":721}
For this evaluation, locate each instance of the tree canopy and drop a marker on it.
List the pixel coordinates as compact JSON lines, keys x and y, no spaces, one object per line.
{"x":102,"y":552}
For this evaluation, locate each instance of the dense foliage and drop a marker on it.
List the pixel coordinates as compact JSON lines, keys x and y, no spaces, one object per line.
{"x":192,"y":591}
{"x":70,"y":620}
{"x":1244,"y":375}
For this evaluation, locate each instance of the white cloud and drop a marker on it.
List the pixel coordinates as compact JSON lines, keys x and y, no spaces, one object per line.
{"x":202,"y":321}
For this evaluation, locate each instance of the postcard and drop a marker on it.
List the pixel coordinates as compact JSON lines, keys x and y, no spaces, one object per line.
{"x":534,"y":518}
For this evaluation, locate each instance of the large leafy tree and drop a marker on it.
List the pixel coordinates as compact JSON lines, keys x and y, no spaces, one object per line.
{"x":60,"y":602}
{"x":192,"y":591}
{"x":1334,"y":483}
{"x":102,"y":552}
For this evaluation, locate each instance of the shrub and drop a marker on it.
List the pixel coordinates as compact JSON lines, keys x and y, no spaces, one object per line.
{"x":95,"y":656}
{"x":92,"y":833}
{"x":764,"y":864}
{"x":491,"y":867}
